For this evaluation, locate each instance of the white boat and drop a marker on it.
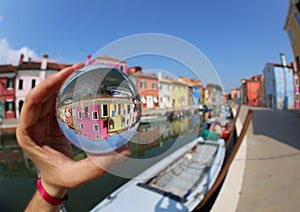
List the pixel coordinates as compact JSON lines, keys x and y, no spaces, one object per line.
{"x":180,"y":181}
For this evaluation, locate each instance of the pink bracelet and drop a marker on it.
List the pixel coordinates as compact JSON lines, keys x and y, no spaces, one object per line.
{"x":48,"y":198}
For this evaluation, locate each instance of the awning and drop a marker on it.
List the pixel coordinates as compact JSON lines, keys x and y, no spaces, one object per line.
{"x":143,"y":100}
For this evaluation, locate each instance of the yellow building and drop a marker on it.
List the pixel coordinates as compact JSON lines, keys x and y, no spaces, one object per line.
{"x":180,"y":94}
{"x":292,"y":28}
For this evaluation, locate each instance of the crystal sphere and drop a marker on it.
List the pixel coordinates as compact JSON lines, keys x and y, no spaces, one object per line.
{"x":98,"y":108}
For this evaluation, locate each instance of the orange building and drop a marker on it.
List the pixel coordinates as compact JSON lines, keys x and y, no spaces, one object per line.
{"x":253,"y":91}
{"x":147,"y":87}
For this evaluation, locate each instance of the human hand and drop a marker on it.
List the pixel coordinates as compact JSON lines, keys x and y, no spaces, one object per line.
{"x":39,"y":136}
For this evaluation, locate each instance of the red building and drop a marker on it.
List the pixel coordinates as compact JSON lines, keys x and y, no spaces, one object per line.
{"x":7,"y":91}
{"x":147,"y":87}
{"x":253,"y":91}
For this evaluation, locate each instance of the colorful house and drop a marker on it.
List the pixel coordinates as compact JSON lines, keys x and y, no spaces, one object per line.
{"x":7,"y":91}
{"x":292,"y":28}
{"x":147,"y":87}
{"x":279,"y":85}
{"x":194,"y":89}
{"x":99,"y":118}
{"x":253,"y":91}
{"x":180,"y":94}
{"x":165,"y":91}
{"x":29,"y":74}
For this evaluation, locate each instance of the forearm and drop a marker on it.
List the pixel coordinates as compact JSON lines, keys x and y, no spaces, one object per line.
{"x":37,"y":203}
{"x":47,"y":198}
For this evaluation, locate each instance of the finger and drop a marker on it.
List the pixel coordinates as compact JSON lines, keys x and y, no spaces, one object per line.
{"x":46,"y":90}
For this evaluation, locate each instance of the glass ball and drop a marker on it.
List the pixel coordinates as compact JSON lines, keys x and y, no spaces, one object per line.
{"x":98,"y":108}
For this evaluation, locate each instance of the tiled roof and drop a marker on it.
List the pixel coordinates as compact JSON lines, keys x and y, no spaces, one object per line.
{"x":7,"y":68}
{"x":194,"y":82}
{"x":141,"y":74}
{"x":36,"y":65}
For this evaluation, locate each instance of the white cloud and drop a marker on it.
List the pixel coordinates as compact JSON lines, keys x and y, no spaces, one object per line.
{"x":11,"y":56}
{"x":1,"y":18}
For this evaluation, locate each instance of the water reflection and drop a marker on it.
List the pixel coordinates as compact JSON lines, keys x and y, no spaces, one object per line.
{"x":18,"y":175}
{"x":13,"y":161}
{"x":157,"y":134}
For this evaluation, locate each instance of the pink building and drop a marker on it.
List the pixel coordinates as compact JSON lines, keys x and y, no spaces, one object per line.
{"x":109,"y":61}
{"x":89,"y":121}
{"x":7,"y":91}
{"x":29,"y":74}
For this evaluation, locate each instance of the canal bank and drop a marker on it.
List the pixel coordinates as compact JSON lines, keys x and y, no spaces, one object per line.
{"x":265,"y":173}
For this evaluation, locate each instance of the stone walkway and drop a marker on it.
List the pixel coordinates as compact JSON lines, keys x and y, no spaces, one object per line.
{"x":265,"y":175}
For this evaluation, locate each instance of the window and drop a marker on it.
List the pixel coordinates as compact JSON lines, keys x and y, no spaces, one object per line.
{"x":9,"y":83}
{"x":297,"y":17}
{"x":154,"y":85}
{"x":111,"y":124}
{"x":9,"y":106}
{"x":124,"y":106}
{"x":79,"y":115}
{"x":82,"y":126}
{"x":96,"y":127}
{"x":121,"y":68}
{"x":128,"y":108}
{"x":142,"y":84}
{"x":104,"y":111}
{"x":291,"y":36}
{"x":20,"y":84}
{"x":86,"y":112}
{"x":33,"y":82}
{"x":297,"y":98}
{"x":297,"y":81}
{"x":95,"y":115}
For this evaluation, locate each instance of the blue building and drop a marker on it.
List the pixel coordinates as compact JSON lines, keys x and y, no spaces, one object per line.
{"x":279,"y":85}
{"x":194,"y":89}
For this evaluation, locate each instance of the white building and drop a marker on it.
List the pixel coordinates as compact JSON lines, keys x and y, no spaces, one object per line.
{"x":29,"y":74}
{"x":165,"y":92}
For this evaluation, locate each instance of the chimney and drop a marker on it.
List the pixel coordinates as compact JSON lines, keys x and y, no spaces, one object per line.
{"x":21,"y":59}
{"x":283,"y":59}
{"x":88,"y":59}
{"x":159,"y":75}
{"x":44,"y":62}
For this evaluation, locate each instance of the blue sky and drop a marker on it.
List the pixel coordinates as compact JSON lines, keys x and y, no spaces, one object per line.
{"x":237,"y":36}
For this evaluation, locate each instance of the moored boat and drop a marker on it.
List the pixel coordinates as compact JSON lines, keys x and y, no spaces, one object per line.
{"x":179,"y":182}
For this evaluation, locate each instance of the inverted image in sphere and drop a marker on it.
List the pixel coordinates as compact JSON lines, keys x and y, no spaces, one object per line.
{"x":98,"y":108}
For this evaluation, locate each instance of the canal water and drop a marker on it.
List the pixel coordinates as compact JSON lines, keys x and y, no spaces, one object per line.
{"x":151,"y":143}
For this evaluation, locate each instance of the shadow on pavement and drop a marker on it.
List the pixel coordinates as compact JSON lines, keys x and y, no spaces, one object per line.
{"x":282,"y":125}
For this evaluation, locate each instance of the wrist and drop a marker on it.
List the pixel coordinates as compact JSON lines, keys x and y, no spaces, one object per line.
{"x":54,"y":191}
{"x":52,"y":194}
